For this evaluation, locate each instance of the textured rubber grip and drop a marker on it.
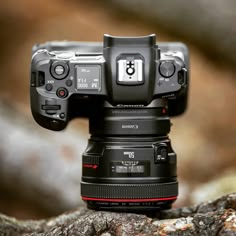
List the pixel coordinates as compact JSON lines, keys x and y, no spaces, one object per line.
{"x":129,"y":191}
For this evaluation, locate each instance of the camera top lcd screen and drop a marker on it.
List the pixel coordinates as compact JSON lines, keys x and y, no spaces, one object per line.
{"x":88,"y":77}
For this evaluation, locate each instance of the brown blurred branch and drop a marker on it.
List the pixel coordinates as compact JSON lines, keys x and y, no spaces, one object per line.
{"x":38,"y":165}
{"x":209,"y":24}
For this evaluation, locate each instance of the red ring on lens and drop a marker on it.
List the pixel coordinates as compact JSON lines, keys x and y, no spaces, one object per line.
{"x":129,"y":200}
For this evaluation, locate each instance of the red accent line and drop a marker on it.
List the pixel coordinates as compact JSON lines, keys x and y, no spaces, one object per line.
{"x":128,"y":200}
{"x":90,"y":166}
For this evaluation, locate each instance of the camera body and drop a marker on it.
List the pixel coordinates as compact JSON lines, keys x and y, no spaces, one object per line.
{"x":128,"y":88}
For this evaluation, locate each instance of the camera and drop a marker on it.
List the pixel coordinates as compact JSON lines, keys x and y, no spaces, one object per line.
{"x":128,"y":88}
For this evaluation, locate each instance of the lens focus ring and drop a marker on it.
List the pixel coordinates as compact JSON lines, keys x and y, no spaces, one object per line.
{"x":119,"y":191}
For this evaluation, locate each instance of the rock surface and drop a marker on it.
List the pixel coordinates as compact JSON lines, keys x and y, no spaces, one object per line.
{"x":211,"y":218}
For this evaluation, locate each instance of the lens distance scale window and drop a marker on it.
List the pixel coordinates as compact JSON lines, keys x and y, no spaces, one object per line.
{"x":130,"y":169}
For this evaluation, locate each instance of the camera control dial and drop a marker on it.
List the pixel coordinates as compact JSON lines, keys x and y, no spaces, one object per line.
{"x":59,"y":69}
{"x":167,"y":69}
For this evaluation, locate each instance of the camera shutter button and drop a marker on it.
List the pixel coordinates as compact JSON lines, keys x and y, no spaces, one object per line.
{"x":59,"y":70}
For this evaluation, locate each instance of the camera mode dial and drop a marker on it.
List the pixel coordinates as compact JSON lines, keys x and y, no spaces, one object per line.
{"x":167,"y":69}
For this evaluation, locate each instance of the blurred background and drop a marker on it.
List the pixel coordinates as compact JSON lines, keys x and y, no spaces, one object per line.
{"x":40,"y":170}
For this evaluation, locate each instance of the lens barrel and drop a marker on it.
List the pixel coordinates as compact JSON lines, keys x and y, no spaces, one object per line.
{"x":129,"y":164}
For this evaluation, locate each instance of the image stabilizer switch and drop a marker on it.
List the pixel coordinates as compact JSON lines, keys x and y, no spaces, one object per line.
{"x":160,"y":153}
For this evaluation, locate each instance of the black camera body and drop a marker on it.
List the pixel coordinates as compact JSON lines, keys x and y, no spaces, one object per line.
{"x":128,"y":88}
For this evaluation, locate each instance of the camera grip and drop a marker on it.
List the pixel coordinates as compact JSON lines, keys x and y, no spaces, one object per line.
{"x":50,"y":113}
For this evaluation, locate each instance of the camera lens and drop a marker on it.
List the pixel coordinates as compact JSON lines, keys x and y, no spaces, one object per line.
{"x":129,"y":164}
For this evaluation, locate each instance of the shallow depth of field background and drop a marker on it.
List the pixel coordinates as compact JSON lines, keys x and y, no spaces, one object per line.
{"x":40,"y":170}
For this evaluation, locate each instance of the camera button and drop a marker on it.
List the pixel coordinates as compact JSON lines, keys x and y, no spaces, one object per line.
{"x":59,"y":70}
{"x":160,"y":154}
{"x":69,"y":82}
{"x":62,"y":115}
{"x":62,"y":92}
{"x":167,"y":69}
{"x":49,"y":87}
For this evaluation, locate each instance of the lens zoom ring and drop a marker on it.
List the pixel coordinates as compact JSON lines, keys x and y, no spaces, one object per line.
{"x":129,"y":191}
